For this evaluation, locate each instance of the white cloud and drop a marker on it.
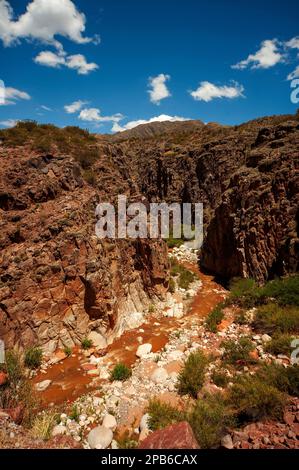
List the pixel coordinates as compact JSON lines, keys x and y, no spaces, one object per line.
{"x":207,"y":91}
{"x":131,"y":124}
{"x":46,"y":108}
{"x":76,"y":62}
{"x":9,"y":123}
{"x":267,"y":56}
{"x":158,"y":90}
{"x":293,"y":43}
{"x":294,"y":74}
{"x":50,"y":59}
{"x":74,"y":107}
{"x":94,"y":115}
{"x":43,"y":20}
{"x":12,"y":95}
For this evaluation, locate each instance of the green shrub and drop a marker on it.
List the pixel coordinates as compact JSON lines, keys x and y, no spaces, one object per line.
{"x":238,"y":352}
{"x":220,"y":377}
{"x":209,"y":420}
{"x":120,"y":372}
{"x":171,"y":286}
{"x":86,"y":343}
{"x":162,"y":415}
{"x":68,"y":351}
{"x":254,"y":399}
{"x":280,"y":344}
{"x":285,"y":290}
{"x":272,"y":318}
{"x":185,"y":277}
{"x":90,"y":176}
{"x":191,"y":377}
{"x":214,"y":319}
{"x":284,"y":379}
{"x":33,"y":358}
{"x":245,"y":292}
{"x":75,"y":413}
{"x":126,"y":441}
{"x":18,"y":390}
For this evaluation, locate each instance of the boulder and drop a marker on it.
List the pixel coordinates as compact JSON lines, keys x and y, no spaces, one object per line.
{"x":159,"y":375}
{"x":42,"y":386}
{"x":100,"y":438}
{"x":98,"y":340}
{"x":143,"y":350}
{"x":109,"y":422}
{"x":176,"y":436}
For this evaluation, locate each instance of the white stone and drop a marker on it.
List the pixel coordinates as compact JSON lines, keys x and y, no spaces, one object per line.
{"x":109,"y":422}
{"x":266,"y":338}
{"x":159,"y":375}
{"x":144,"y":422}
{"x":143,"y":350}
{"x":98,"y":340}
{"x":227,"y":442}
{"x":58,"y":430}
{"x":100,"y":438}
{"x":42,"y":386}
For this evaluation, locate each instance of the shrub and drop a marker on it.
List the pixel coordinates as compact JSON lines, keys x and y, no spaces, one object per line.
{"x":220,"y":377}
{"x":238,"y":352}
{"x":171,"y":286}
{"x":214,"y":319}
{"x":255,"y":399}
{"x":33,"y":358}
{"x":43,"y":425}
{"x":209,"y":420}
{"x":162,"y":415}
{"x":185,"y":277}
{"x":75,"y":413}
{"x":18,"y":390}
{"x":87,"y":157}
{"x":120,"y":372}
{"x":191,"y":378}
{"x":126,"y":441}
{"x":280,"y":344}
{"x":285,"y":290}
{"x":68,"y":351}
{"x":245,"y":292}
{"x":273,"y":317}
{"x":86,"y":343}
{"x":284,"y":379}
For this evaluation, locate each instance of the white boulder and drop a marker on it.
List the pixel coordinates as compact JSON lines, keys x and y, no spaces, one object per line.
{"x":159,"y":375}
{"x":109,"y":422}
{"x":100,"y":438}
{"x":98,"y":340}
{"x":143,"y":350}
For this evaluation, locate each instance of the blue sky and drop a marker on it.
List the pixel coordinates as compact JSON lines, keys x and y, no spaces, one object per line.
{"x":154,"y":58}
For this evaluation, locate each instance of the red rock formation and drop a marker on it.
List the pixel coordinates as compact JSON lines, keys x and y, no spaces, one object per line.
{"x":176,"y":436}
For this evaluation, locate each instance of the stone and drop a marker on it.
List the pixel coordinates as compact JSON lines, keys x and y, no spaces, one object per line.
{"x":100,"y":437}
{"x":58,"y":430}
{"x":98,"y":340}
{"x":227,"y":442}
{"x":143,"y":350}
{"x":266,"y":338}
{"x":109,"y":422}
{"x":159,"y":375}
{"x":176,"y":436}
{"x":144,"y":422}
{"x":42,"y":386}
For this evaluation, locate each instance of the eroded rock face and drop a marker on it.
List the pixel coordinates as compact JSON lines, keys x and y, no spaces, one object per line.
{"x":58,"y":281}
{"x":254,"y":232}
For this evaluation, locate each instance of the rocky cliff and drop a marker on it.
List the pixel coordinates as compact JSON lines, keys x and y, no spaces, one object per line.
{"x":58,"y":281}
